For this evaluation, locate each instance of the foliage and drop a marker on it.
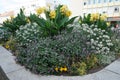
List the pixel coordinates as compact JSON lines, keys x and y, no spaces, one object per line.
{"x":99,"y":39}
{"x":116,"y":40}
{"x":28,"y":33}
{"x":11,"y":44}
{"x":96,"y":19}
{"x":55,"y":21}
{"x":47,"y":55}
{"x":39,"y":58}
{"x":106,"y":59}
{"x":78,"y":68}
{"x":4,"y":34}
{"x":14,"y":23}
{"x":56,"y":45}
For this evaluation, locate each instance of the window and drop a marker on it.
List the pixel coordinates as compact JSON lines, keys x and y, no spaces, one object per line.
{"x":89,"y":2}
{"x":99,"y":1}
{"x":105,"y":1}
{"x":94,"y":1}
{"x":116,"y":9}
{"x":110,"y":0}
{"x":84,"y":3}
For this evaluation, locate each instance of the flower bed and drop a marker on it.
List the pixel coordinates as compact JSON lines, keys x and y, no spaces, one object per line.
{"x":58,"y":45}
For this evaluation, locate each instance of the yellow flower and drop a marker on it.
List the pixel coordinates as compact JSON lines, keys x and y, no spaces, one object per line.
{"x":81,"y":71}
{"x":7,"y":46}
{"x":39,"y":10}
{"x":28,"y":20}
{"x":103,"y":17}
{"x":97,"y":16}
{"x":61,"y":69}
{"x":95,"y":59}
{"x":108,"y":23}
{"x":56,"y":69}
{"x":68,"y":13}
{"x":52,"y":14}
{"x":94,"y":17}
{"x":83,"y":64}
{"x":80,"y":21}
{"x":63,"y":9}
{"x":91,"y":19}
{"x":12,"y":16}
{"x":65,"y":69}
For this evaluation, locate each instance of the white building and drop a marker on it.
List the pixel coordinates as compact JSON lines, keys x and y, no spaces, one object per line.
{"x":29,"y":7}
{"x":110,"y":7}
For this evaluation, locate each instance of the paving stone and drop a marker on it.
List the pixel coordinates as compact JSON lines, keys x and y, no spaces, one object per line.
{"x":114,"y":67}
{"x":105,"y":75}
{"x":7,"y":60}
{"x":87,"y":77}
{"x":11,"y":67}
{"x":4,"y":52}
{"x":22,"y":75}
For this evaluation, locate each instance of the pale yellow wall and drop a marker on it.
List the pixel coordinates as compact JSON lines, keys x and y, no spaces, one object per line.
{"x":76,"y":6}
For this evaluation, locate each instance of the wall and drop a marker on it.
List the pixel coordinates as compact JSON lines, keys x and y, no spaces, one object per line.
{"x":76,"y":6}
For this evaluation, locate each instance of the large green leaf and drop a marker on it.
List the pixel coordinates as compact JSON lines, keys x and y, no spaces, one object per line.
{"x":71,"y":20}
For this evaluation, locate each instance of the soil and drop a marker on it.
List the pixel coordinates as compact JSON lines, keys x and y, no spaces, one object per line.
{"x":96,"y":69}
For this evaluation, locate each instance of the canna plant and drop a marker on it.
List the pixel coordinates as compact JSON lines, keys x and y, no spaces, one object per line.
{"x":96,"y":19}
{"x":15,"y":22}
{"x":55,"y":20}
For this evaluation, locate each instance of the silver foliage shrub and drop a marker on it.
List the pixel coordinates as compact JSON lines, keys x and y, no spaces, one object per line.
{"x":27,"y":33}
{"x":4,"y":34}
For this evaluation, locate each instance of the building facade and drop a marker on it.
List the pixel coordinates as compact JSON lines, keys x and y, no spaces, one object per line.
{"x":109,"y":7}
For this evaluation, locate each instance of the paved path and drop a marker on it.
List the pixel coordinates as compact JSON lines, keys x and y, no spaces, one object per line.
{"x":17,"y":72}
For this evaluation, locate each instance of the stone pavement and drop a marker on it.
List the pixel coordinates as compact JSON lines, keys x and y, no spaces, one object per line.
{"x":17,"y":72}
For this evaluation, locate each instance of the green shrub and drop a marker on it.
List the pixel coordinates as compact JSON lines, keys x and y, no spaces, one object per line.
{"x":64,"y":49}
{"x":4,"y":34}
{"x":39,"y":58}
{"x":28,"y":33}
{"x":116,"y":40}
{"x":14,"y":23}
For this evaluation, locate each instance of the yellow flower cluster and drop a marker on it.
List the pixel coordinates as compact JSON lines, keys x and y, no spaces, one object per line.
{"x":68,"y":13}
{"x":61,"y":69}
{"x":103,"y":17}
{"x":65,"y":11}
{"x":83,"y":64}
{"x":12,"y":16}
{"x":7,"y":46}
{"x":28,"y":20}
{"x":108,"y":24}
{"x":52,"y":14}
{"x":81,"y":71}
{"x":40,"y":10}
{"x":95,"y":59}
{"x":96,"y":16}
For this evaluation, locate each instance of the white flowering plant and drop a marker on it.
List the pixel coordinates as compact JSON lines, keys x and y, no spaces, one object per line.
{"x":28,"y":33}
{"x":4,"y":34}
{"x":99,"y":39}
